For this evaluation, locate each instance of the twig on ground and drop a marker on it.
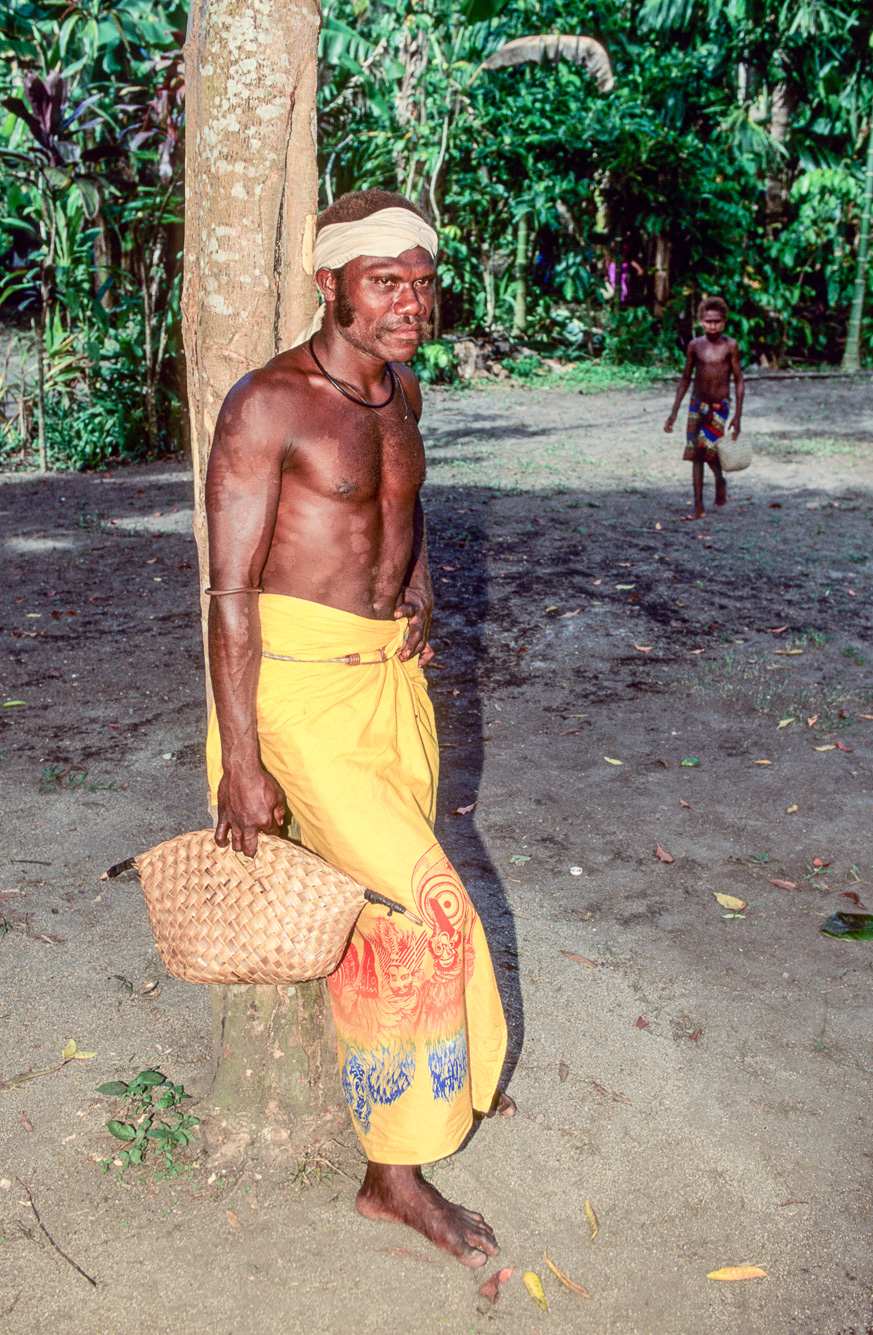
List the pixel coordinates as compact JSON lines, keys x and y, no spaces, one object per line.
{"x":60,"y":1252}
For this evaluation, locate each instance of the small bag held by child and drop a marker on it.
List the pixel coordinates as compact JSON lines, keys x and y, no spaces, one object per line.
{"x":734,"y":455}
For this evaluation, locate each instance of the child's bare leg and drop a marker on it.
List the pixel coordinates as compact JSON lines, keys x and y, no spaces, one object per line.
{"x":720,"y":482}
{"x":697,"y":482}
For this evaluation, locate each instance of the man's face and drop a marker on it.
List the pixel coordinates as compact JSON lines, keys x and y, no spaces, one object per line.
{"x":383,"y":306}
{"x":713,"y":324}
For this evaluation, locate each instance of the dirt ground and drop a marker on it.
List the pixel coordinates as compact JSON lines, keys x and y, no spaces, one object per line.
{"x":703,"y":1077}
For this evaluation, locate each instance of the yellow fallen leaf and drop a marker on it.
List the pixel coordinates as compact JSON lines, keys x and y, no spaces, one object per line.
{"x":625,"y":586}
{"x":738,"y":1272}
{"x":8,"y":704}
{"x":564,"y":1279}
{"x":867,"y":716}
{"x":70,"y":1050}
{"x":592,"y":1220}
{"x":731,"y":902}
{"x":829,"y":747}
{"x":789,"y":653}
{"x":553,"y":608}
{"x":609,"y":760}
{"x":783,"y":723}
{"x":534,"y":1286}
{"x":791,"y":810}
{"x":84,"y":1056}
{"x":763,"y":762}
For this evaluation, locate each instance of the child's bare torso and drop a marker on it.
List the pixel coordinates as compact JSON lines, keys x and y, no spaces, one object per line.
{"x":712,"y":367}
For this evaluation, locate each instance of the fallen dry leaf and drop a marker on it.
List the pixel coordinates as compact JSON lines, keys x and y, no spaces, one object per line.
{"x":570,"y":732}
{"x":812,"y":720}
{"x":828,"y":747}
{"x":788,"y":653}
{"x":867,"y":716}
{"x":26,"y":1122}
{"x":783,"y":723}
{"x":534,"y":1286}
{"x":730,"y":902}
{"x":643,"y":648}
{"x":783,"y":885}
{"x":563,"y":1071}
{"x":564,"y":1279}
{"x":841,"y":746}
{"x":625,"y":586}
{"x":856,"y":899}
{"x":738,"y":1272}
{"x":696,"y":1035}
{"x":817,"y":863}
{"x":598,"y":581}
{"x":592,"y":1220}
{"x":696,"y":651}
{"x":609,"y":760}
{"x":566,"y":615}
{"x":579,"y":959}
{"x":777,"y":630}
{"x":763,"y":762}
{"x":686,"y":805}
{"x":491,"y":1288}
{"x":233,"y":1219}
{"x":463,"y":811}
{"x":663,"y":856}
{"x":642,"y":1022}
{"x":789,"y":811}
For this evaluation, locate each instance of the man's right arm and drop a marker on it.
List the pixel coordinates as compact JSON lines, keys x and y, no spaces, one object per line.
{"x":243,"y":484}
{"x":687,"y":375}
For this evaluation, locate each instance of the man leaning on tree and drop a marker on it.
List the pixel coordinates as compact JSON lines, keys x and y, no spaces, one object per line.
{"x":319,"y":617}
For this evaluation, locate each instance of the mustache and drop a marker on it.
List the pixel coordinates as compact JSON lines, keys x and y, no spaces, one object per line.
{"x":418,"y":322}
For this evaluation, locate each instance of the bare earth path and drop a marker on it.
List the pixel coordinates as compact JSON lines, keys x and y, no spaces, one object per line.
{"x":704,"y":1080}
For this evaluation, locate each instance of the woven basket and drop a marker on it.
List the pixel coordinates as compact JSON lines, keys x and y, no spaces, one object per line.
{"x":734,"y":455}
{"x":284,"y":916}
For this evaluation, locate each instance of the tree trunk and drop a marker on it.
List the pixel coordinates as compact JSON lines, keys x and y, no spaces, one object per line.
{"x":251,"y":199}
{"x":663,"y":255}
{"x":519,"y":311}
{"x":852,"y":354}
{"x":782,"y":106}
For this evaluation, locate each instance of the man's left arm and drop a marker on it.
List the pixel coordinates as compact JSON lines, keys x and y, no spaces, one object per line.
{"x":416,"y":596}
{"x":737,"y":373}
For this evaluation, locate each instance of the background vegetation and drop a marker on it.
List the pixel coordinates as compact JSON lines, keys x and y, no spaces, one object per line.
{"x":580,"y":219}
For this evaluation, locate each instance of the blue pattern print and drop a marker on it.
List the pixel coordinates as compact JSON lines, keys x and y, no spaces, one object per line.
{"x":447,"y":1059}
{"x":376,"y":1075}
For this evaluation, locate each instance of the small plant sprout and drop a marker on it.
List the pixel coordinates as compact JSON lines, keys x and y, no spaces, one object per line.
{"x":151,"y":1117}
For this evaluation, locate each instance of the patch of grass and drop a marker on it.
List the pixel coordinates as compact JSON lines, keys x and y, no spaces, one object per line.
{"x":53,"y":779}
{"x":854,"y":654}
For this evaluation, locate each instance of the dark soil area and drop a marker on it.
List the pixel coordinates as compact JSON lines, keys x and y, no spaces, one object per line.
{"x":700,"y":1073}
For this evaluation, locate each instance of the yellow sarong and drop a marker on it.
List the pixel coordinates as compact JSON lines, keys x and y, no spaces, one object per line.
{"x":420,"y":1028}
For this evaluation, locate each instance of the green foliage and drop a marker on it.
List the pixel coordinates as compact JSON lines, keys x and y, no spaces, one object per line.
{"x":150,"y":1119}
{"x":90,"y":214}
{"x":435,"y":363}
{"x":683,"y":177}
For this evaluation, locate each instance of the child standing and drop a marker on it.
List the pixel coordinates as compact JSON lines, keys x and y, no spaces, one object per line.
{"x":711,"y":361}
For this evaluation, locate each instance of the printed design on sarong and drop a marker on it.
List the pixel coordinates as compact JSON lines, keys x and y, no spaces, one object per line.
{"x":446,"y":911}
{"x":400,"y":988}
{"x":377,"y":1074}
{"x":705,"y":428}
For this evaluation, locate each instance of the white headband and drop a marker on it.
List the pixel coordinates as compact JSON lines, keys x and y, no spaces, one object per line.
{"x":388,"y":233}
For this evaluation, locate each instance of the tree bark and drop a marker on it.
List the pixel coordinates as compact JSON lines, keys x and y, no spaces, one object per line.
{"x":519,"y":306}
{"x":251,"y":199}
{"x":852,"y":354}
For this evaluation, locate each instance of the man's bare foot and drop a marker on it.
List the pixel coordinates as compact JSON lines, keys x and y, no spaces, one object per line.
{"x":399,"y":1192}
{"x":502,"y":1104}
{"x":698,"y":513}
{"x":721,"y":491}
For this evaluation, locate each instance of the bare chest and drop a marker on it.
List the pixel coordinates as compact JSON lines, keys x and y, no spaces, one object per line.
{"x":360,"y":456}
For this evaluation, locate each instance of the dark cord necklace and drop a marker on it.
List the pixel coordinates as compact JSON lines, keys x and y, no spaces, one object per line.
{"x":362,"y":403}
